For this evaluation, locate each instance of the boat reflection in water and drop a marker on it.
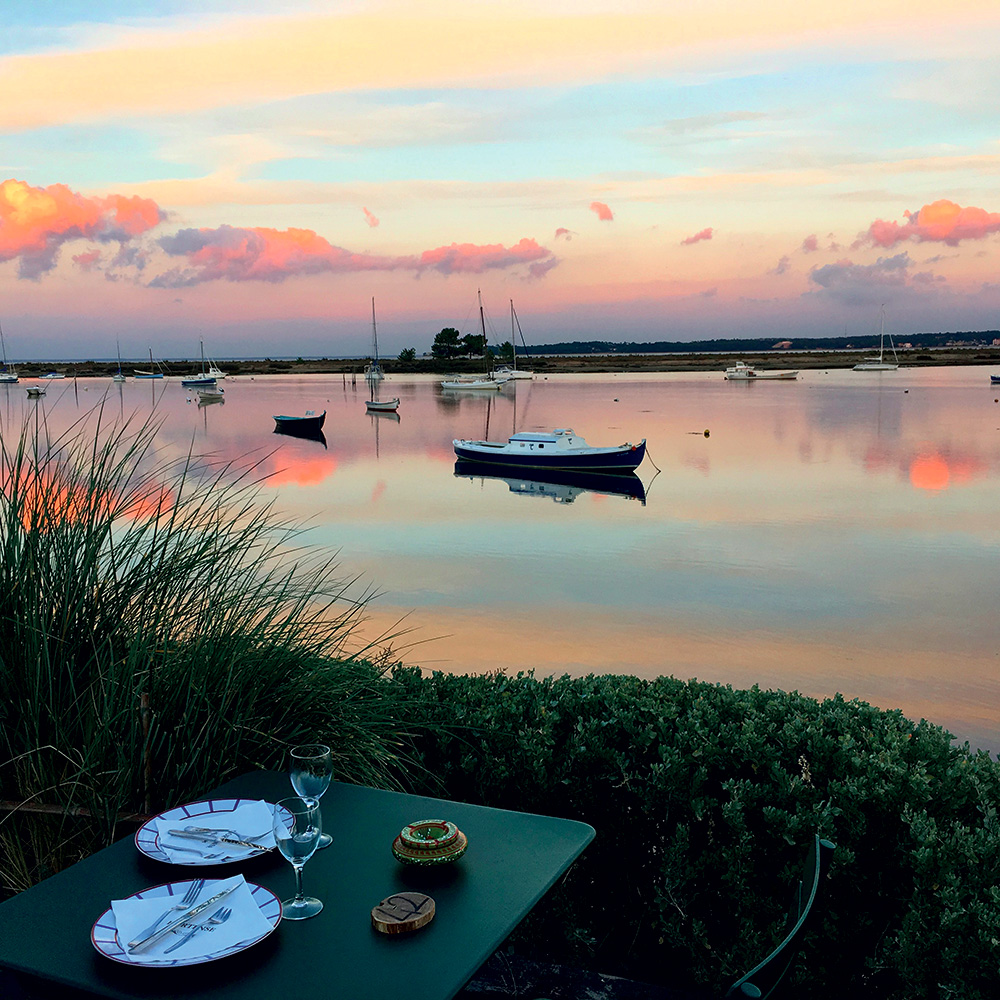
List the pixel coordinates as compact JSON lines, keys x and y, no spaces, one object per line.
{"x":560,"y":486}
{"x":308,"y":432}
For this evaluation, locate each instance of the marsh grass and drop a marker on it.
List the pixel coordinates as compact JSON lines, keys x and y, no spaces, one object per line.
{"x":162,"y":630}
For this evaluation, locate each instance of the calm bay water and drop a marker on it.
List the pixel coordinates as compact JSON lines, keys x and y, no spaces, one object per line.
{"x":838,"y":533}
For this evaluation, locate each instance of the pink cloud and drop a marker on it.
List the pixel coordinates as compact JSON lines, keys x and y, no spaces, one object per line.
{"x":35,"y":222}
{"x":242,"y":254}
{"x":810,"y":244}
{"x":941,"y":222}
{"x":603,"y":212}
{"x":705,"y":234}
{"x":564,"y":234}
{"x":87,"y":261}
{"x":369,"y":218}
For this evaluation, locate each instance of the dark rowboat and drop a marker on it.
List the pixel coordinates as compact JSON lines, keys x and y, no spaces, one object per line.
{"x":311,"y":422}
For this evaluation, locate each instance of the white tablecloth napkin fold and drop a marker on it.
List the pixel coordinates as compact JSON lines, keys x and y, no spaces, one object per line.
{"x":247,"y":923}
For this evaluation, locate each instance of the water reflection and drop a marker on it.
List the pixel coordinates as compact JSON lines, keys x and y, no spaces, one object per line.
{"x":836,"y":533}
{"x":560,"y":486}
{"x":306,"y":432}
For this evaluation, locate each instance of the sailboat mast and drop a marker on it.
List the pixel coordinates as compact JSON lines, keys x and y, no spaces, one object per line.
{"x":482,"y":326}
{"x":374,"y":330}
{"x":513,"y":342}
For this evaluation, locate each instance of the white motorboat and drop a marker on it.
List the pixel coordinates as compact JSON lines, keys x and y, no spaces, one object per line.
{"x":879,"y":364}
{"x":473,"y":383}
{"x":558,"y":449}
{"x":34,"y":391}
{"x":744,"y":372}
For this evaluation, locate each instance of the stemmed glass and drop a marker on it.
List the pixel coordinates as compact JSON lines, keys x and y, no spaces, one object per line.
{"x":297,"y":826}
{"x":310,"y":769}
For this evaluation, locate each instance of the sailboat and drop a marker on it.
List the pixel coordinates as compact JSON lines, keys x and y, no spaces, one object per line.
{"x":485,"y":381}
{"x":373,"y":370}
{"x":373,"y":375}
{"x":204,"y":378}
{"x":512,"y":371}
{"x":878,"y":364}
{"x":152,"y":373}
{"x":118,"y":376}
{"x":8,"y":374}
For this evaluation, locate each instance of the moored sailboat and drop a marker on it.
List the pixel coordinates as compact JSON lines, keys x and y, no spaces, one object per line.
{"x":8,"y":374}
{"x":374,"y":375}
{"x":511,"y":370}
{"x":152,"y":373}
{"x":879,"y":364}
{"x":204,"y":379}
{"x":488,"y":380}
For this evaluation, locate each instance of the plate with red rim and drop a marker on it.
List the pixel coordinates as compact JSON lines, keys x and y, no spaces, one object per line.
{"x":104,"y":933}
{"x":147,"y":837}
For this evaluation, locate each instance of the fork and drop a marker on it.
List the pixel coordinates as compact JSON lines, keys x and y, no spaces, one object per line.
{"x":186,"y":900}
{"x":220,"y":916}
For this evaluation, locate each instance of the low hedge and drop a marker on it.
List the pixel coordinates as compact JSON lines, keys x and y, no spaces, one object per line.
{"x":704,"y":799}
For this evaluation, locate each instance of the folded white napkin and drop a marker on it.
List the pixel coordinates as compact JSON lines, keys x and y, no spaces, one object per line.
{"x":251,"y":820}
{"x":133,"y":916}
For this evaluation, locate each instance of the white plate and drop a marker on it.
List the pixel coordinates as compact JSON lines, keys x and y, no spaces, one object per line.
{"x":147,"y":837}
{"x":104,"y":933}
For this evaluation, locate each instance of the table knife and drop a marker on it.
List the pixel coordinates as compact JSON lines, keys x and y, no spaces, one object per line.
{"x":183,"y":919}
{"x":214,"y":840}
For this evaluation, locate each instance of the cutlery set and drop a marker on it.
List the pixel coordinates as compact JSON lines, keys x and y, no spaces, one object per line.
{"x":146,"y":939}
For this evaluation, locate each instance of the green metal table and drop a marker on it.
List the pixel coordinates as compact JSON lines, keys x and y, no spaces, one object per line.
{"x":512,"y":860}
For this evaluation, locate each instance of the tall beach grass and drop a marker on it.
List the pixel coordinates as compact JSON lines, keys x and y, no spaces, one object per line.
{"x":162,"y":630}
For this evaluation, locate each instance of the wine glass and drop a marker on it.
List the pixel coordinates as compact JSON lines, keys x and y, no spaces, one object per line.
{"x":297,"y":826}
{"x":310,"y":769}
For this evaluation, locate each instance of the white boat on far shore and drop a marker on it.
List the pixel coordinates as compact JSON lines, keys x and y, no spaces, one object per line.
{"x":742,"y":372}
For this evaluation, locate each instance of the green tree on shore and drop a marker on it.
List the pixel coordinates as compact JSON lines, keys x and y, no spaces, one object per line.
{"x":447,"y":344}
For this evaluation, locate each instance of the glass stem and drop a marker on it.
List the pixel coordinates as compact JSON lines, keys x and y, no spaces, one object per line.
{"x":298,"y":883}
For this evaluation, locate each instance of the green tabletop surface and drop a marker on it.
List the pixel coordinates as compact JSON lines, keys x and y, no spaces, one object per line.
{"x":513,"y":858}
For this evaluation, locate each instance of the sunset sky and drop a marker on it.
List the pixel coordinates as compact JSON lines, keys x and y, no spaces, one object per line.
{"x":621,"y":169}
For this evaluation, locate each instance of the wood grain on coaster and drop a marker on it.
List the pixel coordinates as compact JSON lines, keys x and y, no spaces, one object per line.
{"x":403,"y":912}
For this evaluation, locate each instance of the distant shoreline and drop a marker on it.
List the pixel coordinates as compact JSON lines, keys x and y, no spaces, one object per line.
{"x":544,"y":364}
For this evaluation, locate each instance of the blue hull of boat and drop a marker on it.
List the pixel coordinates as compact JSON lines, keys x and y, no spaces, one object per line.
{"x":293,"y":424}
{"x":587,"y":460}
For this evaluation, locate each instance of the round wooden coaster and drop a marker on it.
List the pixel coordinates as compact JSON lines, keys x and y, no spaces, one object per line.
{"x":403,"y":912}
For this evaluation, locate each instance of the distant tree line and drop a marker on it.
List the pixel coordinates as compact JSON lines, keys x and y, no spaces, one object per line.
{"x":978,"y":339}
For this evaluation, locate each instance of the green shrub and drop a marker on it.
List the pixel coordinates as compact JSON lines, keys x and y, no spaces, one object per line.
{"x":704,"y":799}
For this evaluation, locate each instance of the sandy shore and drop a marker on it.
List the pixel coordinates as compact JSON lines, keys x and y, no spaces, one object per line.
{"x":552,"y":364}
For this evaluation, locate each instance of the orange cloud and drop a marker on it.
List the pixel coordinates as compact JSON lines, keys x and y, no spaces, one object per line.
{"x":940,"y":222}
{"x":603,"y":212}
{"x":369,"y":218}
{"x":245,"y":254}
{"x":705,"y":234}
{"x":35,"y":222}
